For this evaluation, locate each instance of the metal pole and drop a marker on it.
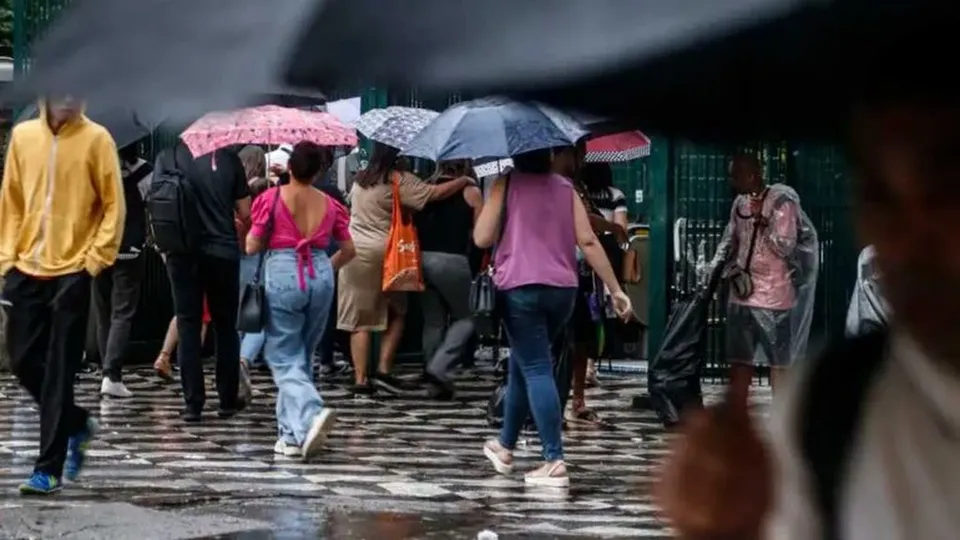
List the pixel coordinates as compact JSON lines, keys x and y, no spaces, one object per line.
{"x":20,"y":44}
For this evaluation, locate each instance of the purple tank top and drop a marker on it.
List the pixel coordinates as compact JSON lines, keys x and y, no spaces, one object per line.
{"x":539,"y":245}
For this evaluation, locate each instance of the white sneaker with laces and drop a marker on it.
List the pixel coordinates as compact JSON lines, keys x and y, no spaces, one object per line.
{"x":319,"y":429}
{"x":283,"y":448}
{"x":114,"y":389}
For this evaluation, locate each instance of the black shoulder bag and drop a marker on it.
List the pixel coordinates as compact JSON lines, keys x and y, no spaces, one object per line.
{"x":740,"y":279}
{"x":483,"y":292}
{"x":252,"y":311}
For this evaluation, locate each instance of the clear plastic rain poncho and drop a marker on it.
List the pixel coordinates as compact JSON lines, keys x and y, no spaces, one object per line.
{"x":771,"y":260}
{"x":868,"y":310}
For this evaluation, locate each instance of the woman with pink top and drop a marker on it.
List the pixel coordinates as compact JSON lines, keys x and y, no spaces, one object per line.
{"x":536,"y":272}
{"x":299,"y":282}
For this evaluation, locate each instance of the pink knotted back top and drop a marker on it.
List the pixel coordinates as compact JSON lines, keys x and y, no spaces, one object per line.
{"x":286,"y":234}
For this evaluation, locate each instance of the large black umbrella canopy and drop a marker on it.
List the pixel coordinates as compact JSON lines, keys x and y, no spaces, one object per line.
{"x":126,"y":126}
{"x":732,"y":68}
{"x":290,"y":97}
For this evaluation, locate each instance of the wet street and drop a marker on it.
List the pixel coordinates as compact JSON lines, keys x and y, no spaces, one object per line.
{"x":394,"y":468}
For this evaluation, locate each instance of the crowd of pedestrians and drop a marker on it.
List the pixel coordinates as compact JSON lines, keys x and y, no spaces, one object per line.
{"x":277,"y":262}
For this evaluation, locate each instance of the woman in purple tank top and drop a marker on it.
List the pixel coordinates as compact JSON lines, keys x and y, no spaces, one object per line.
{"x":536,"y":271}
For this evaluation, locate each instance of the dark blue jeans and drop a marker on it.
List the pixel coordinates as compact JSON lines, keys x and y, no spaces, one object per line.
{"x":534,"y":316}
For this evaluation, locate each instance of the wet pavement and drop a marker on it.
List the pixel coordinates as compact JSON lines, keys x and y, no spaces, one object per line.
{"x":394,"y":468}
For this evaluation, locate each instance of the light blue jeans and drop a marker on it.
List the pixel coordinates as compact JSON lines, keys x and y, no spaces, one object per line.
{"x":250,"y":344}
{"x":295,"y":325}
{"x":534,"y":317}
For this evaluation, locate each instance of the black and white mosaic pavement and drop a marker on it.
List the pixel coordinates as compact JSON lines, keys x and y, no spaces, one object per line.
{"x":393,"y":453}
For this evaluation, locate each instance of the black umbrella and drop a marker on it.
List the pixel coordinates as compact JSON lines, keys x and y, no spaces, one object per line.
{"x":290,"y":98}
{"x":126,"y":126}
{"x":730,"y":68}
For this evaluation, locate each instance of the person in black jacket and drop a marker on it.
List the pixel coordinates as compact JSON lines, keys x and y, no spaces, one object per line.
{"x":327,"y":183}
{"x":116,"y":290}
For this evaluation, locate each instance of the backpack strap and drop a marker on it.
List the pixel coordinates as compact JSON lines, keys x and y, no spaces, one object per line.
{"x":832,"y":406}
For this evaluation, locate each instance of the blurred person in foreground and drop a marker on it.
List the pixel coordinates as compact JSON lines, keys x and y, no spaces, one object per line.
{"x":771,"y":256}
{"x":299,"y":284}
{"x":864,"y":442}
{"x":535,"y":270}
{"x":62,"y":211}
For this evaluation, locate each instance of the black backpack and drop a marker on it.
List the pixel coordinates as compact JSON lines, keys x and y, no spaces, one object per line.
{"x":831,"y":411}
{"x":172,"y":206}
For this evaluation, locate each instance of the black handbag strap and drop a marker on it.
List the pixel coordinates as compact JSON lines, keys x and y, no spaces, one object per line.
{"x":757,"y":219}
{"x":267,"y":234}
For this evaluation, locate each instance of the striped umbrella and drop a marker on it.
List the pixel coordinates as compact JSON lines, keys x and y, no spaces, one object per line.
{"x":618,"y":147}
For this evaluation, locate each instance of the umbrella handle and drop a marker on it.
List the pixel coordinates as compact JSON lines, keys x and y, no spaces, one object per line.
{"x":680,"y":223}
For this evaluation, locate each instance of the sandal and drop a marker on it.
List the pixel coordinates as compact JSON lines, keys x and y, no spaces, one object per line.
{"x":501,"y":458}
{"x":592,"y":380}
{"x":552,"y":474}
{"x":584,"y":415}
{"x":162,"y":366}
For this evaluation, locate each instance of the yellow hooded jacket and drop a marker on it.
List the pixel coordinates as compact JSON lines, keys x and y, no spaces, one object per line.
{"x":61,"y":201}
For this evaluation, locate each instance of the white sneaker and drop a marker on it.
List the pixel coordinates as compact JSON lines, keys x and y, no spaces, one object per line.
{"x":322,"y":424}
{"x":114,"y":389}
{"x":283,"y":448}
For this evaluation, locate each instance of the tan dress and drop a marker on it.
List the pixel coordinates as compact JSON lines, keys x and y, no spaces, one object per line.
{"x":361,"y":303}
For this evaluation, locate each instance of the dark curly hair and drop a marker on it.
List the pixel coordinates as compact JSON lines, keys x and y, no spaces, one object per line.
{"x":309,"y":160}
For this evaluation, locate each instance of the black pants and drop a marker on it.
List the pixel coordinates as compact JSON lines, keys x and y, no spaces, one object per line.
{"x":192,"y":276}
{"x":116,"y":294}
{"x":329,"y":339}
{"x":46,"y":331}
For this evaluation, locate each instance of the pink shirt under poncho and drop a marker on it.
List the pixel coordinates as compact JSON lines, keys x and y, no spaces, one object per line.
{"x":772,"y":281}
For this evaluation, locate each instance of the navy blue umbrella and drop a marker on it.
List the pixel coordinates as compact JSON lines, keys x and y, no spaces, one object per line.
{"x":493,"y":128}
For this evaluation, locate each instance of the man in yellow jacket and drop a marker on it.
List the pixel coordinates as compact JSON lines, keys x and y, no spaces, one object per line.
{"x":61,"y":221}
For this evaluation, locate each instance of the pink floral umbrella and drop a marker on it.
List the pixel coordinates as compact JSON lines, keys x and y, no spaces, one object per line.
{"x":268,"y":124}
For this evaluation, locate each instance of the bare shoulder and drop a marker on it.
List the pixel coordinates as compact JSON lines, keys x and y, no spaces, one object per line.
{"x":472,"y":194}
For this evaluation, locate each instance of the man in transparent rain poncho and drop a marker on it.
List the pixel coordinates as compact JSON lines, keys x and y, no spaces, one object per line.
{"x":770,"y":255}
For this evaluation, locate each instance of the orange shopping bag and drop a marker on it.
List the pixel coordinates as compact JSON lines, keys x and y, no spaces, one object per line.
{"x":402,"y":270}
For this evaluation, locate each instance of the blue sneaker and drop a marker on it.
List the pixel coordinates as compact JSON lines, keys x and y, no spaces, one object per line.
{"x":77,"y":450}
{"x":41,"y":484}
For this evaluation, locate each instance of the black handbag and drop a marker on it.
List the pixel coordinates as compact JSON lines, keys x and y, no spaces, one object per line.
{"x":483,"y":292}
{"x":252,"y":311}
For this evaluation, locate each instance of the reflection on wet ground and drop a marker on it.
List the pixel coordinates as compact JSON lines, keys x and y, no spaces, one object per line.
{"x":395,"y":467}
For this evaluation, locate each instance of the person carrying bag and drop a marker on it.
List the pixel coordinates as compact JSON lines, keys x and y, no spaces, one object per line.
{"x":402,"y":268}
{"x":252,"y":315}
